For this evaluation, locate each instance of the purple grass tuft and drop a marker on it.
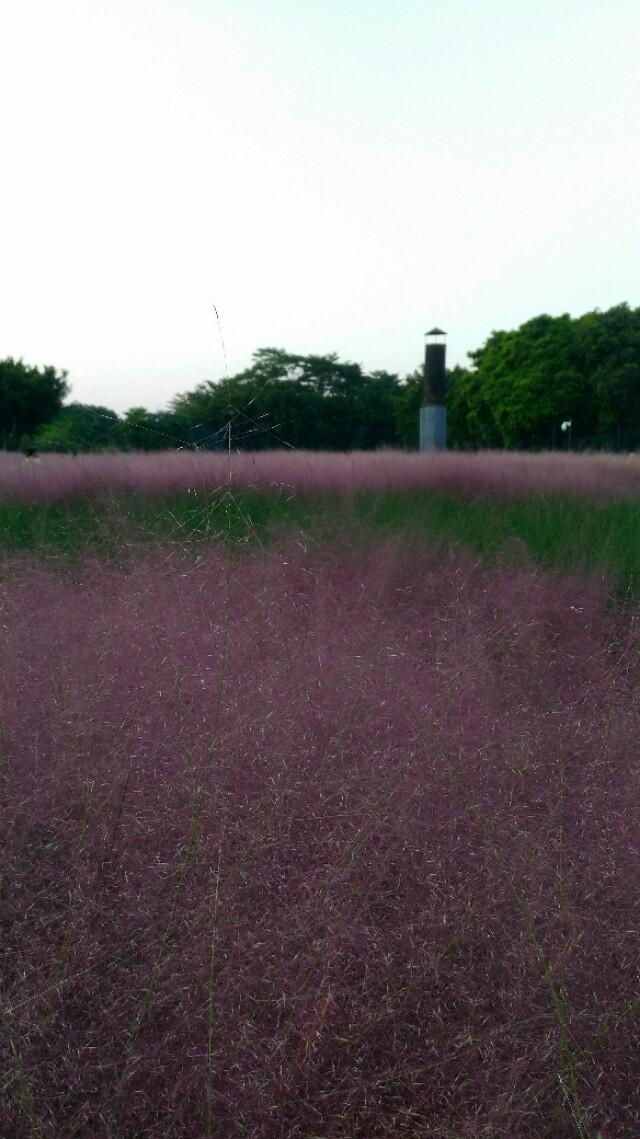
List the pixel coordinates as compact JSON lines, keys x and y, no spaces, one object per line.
{"x":370,"y":870}
{"x":58,"y":477}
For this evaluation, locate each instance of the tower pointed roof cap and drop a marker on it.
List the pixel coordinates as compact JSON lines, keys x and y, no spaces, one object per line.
{"x":435,"y":332}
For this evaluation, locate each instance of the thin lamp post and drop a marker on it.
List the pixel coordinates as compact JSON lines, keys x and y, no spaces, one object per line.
{"x":566,"y":426}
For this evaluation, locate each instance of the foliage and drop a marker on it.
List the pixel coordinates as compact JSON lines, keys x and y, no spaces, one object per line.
{"x":608,"y":345}
{"x":142,"y":430}
{"x":29,"y":398}
{"x":79,"y":427}
{"x":524,"y":383}
{"x":407,"y":403}
{"x":312,"y":402}
{"x":528,"y":378}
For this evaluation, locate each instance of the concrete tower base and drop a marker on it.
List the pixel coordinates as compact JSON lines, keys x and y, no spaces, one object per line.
{"x":433,"y":428}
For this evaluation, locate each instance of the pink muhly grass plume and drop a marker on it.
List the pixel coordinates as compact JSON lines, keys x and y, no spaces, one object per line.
{"x":508,"y":474}
{"x":393,"y":894}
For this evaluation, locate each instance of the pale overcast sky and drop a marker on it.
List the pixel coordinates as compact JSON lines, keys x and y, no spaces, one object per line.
{"x":333,"y":175}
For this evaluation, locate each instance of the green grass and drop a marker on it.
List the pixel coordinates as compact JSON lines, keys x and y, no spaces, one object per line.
{"x":555,"y":531}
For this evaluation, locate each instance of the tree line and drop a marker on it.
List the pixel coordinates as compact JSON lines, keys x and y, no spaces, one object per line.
{"x":520,"y":386}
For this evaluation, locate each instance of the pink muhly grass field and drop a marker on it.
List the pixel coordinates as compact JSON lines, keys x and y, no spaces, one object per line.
{"x":339,"y":843}
{"x":57,"y":477}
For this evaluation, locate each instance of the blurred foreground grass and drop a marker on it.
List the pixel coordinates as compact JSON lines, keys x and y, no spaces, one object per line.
{"x":555,"y":531}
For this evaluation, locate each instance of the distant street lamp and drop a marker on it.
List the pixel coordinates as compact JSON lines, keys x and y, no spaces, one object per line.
{"x":566,"y":426}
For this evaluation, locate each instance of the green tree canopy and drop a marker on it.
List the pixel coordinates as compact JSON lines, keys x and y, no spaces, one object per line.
{"x":524,"y":383}
{"x":528,"y":380}
{"x":79,"y":427}
{"x":519,"y":388}
{"x":142,"y":430}
{"x":315,"y":402}
{"x":29,"y":397}
{"x":608,"y":348}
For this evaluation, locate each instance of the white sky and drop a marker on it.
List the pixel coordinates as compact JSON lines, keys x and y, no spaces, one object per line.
{"x":333,"y":175}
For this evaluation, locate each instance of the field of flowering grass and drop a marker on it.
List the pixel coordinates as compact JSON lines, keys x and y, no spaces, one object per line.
{"x":563,"y":527}
{"x":508,"y":474}
{"x":312,"y":825}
